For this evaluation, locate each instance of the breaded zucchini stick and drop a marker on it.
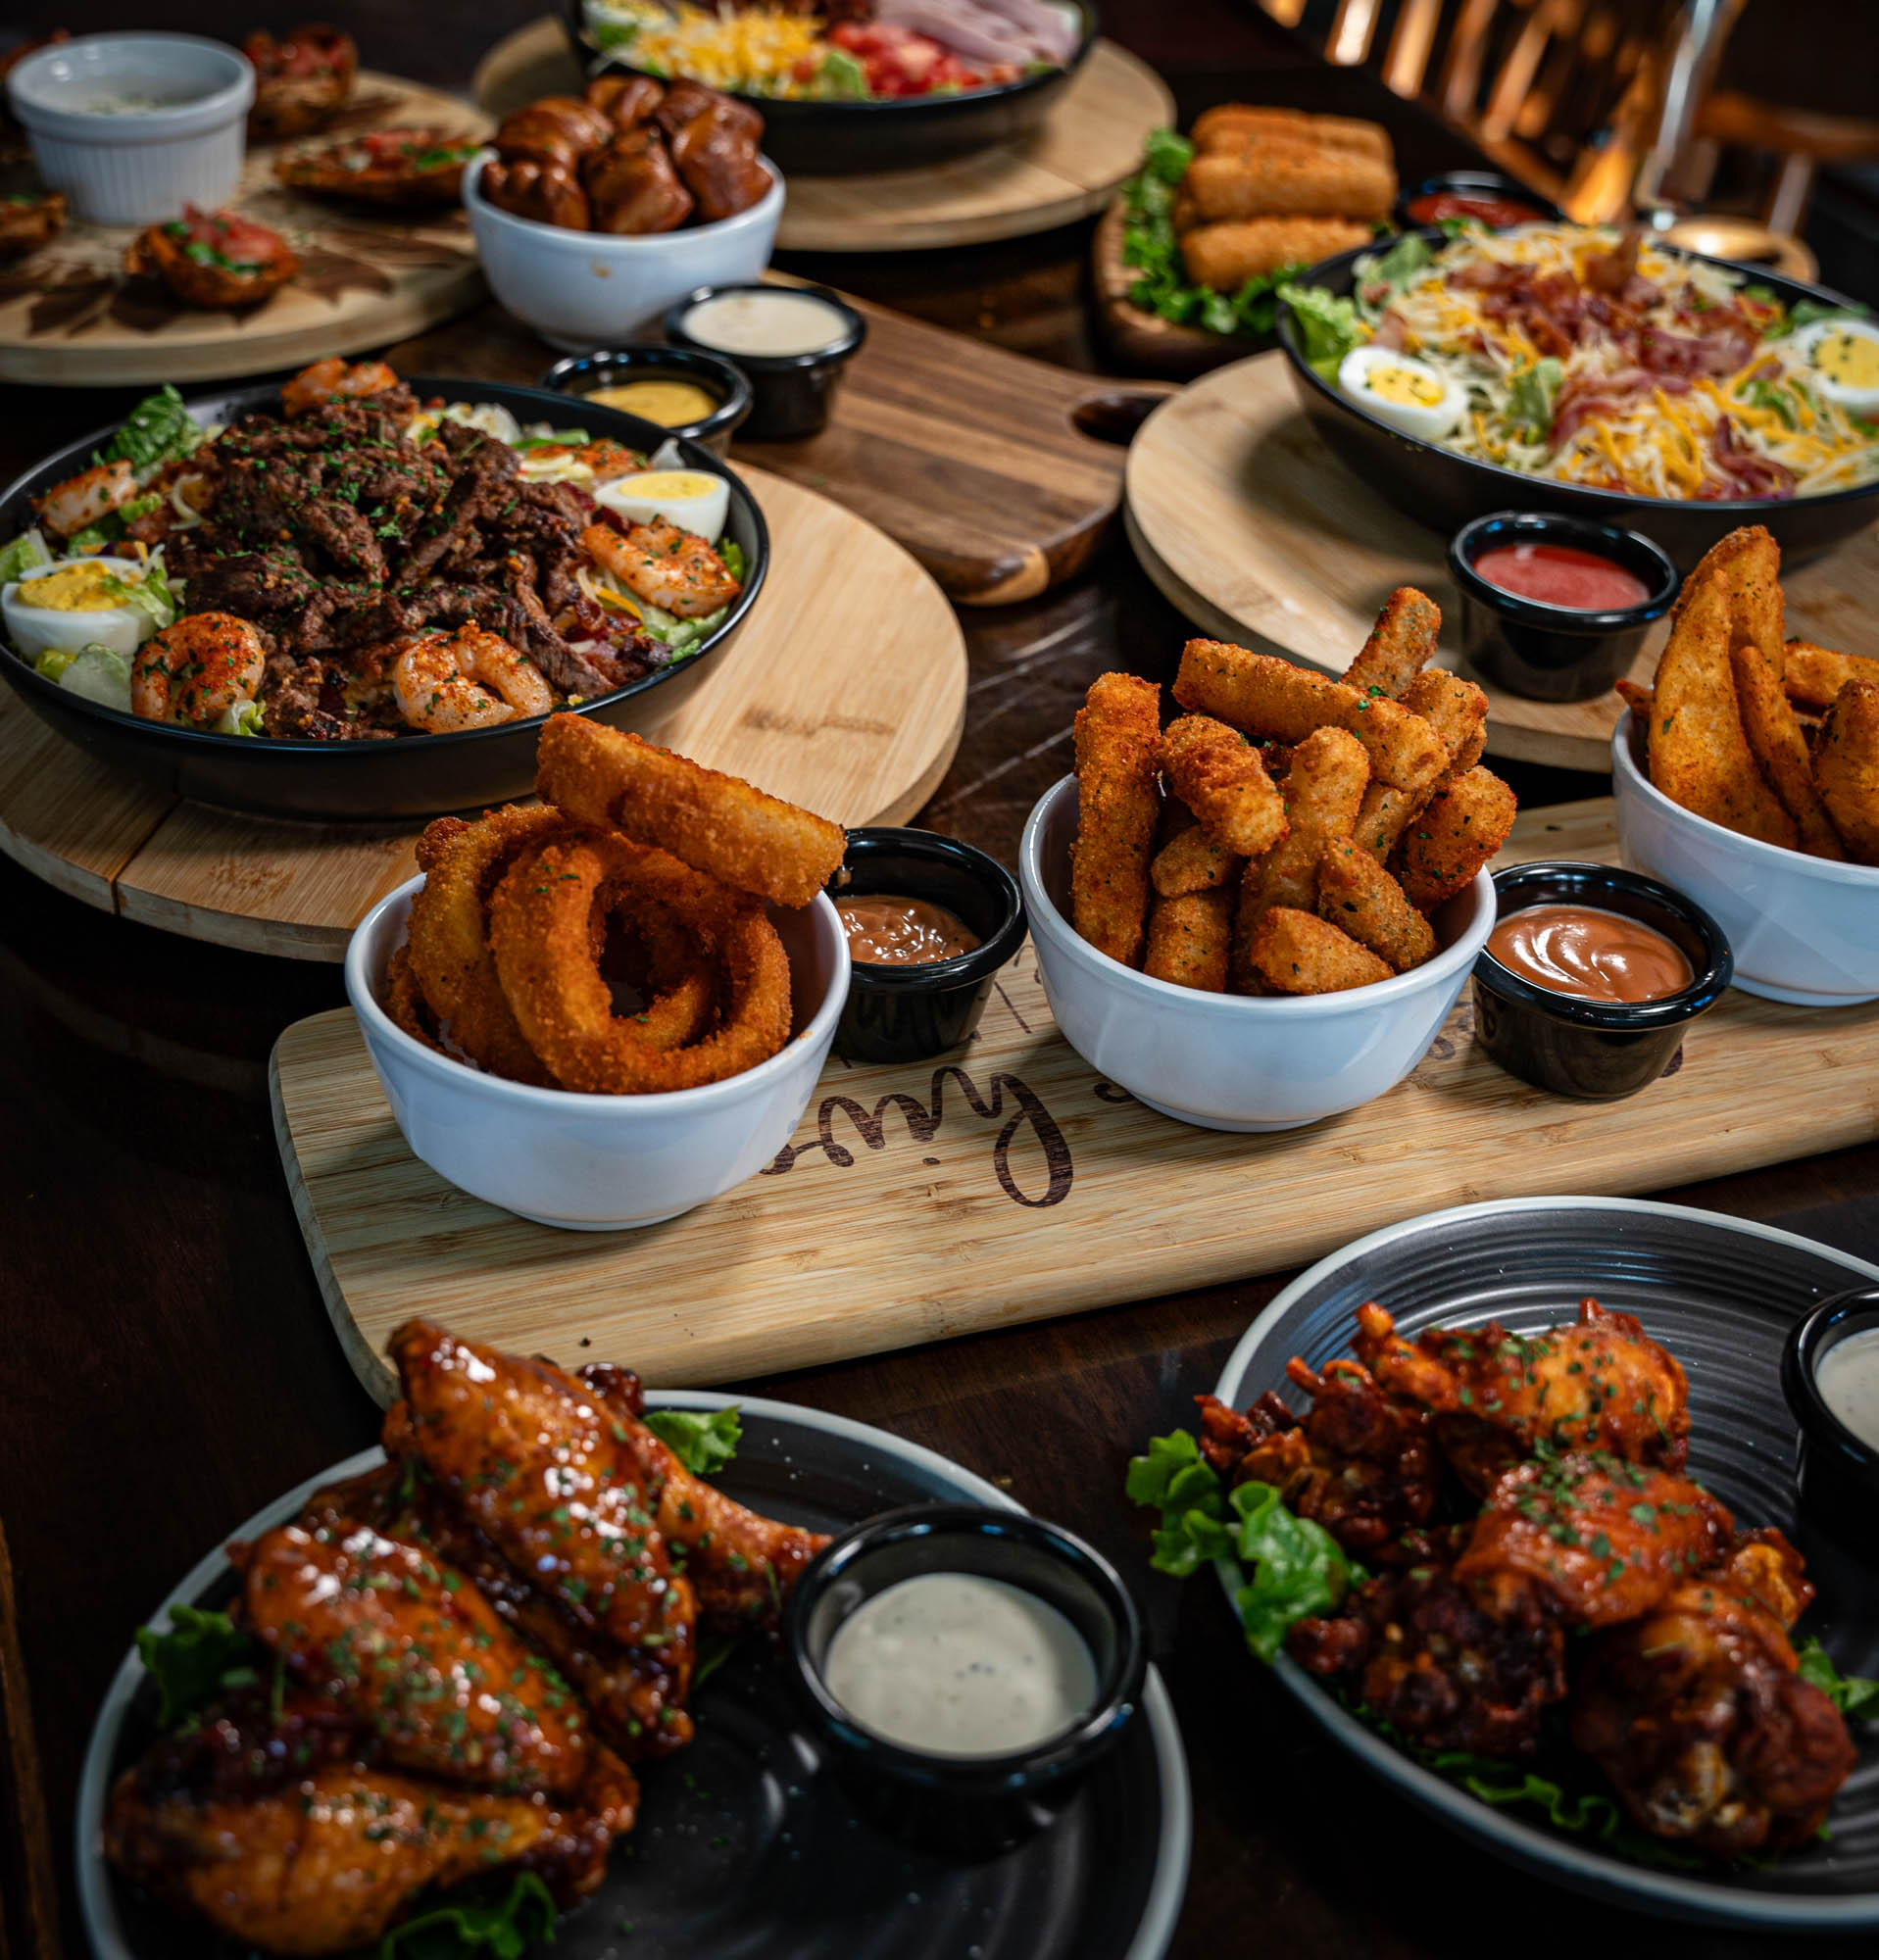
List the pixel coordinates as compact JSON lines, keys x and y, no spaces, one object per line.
{"x":1465,"y":823}
{"x":1117,"y":737}
{"x":1218,"y":774}
{"x":1298,"y":952}
{"x":1188,"y":938}
{"x":1356,"y":895}
{"x":1401,"y":645}
{"x":1457,"y":710}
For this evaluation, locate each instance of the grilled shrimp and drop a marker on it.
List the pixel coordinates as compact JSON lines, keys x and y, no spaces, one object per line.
{"x":468,"y":679}
{"x":331,"y":381}
{"x":198,"y":670}
{"x":663,"y":566}
{"x":82,"y":500}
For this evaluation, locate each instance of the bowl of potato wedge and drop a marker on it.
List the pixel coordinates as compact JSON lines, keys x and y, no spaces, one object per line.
{"x":1747,"y":777}
{"x":1261,"y":914}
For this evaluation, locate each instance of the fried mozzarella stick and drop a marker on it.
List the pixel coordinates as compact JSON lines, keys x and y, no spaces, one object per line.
{"x":716,"y":823}
{"x":1225,"y":254}
{"x":1457,"y":710}
{"x":1322,"y":794}
{"x":1261,"y":694}
{"x":1298,"y":952}
{"x":1188,"y":938}
{"x":1358,"y":896}
{"x":1119,"y":738}
{"x":1233,"y":124}
{"x":1465,"y":824}
{"x":1401,"y":645}
{"x":1847,"y":768}
{"x":1778,"y":745}
{"x":1814,"y":675}
{"x":1218,"y":774}
{"x":1276,"y":178}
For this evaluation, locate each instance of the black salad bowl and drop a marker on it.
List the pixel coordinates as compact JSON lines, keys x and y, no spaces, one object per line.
{"x":904,"y":132}
{"x":1555,"y":652}
{"x":376,"y":781}
{"x":969,"y":1806}
{"x":1596,"y":1050}
{"x":1838,"y":1471}
{"x":577,"y":375}
{"x":1443,"y":490}
{"x":791,"y":394}
{"x":907,"y":1014}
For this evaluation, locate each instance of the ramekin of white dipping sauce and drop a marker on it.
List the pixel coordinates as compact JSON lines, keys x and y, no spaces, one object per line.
{"x":791,"y":342}
{"x":134,"y":126}
{"x":1830,"y":1375}
{"x":965,"y":1666}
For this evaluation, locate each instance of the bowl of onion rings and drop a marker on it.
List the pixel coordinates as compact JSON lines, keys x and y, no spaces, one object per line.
{"x":601,"y":1010}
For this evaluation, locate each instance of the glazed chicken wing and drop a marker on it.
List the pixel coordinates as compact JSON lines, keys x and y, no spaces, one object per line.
{"x":417,"y":1654}
{"x":1699,"y":1718}
{"x":1600,"y":1383}
{"x":554,"y":1479}
{"x":1596,"y":1539}
{"x":1357,"y":1464}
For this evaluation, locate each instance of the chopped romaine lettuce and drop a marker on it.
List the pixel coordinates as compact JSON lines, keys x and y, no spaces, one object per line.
{"x":158,"y":429}
{"x":840,"y":79}
{"x":152,"y":594}
{"x":1327,"y":324}
{"x":25,"y":554}
{"x":1530,"y":398}
{"x":1400,"y":264}
{"x":1804,"y":313}
{"x":703,"y":1441}
{"x":732,"y":552}
{"x":98,"y":673}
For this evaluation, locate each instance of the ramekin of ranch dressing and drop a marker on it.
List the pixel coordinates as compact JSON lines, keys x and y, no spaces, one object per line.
{"x":953,"y":1664}
{"x":770,"y":322}
{"x":1848,"y":1377}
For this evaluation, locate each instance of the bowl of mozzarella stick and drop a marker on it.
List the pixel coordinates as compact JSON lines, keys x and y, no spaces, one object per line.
{"x":1261,"y":913}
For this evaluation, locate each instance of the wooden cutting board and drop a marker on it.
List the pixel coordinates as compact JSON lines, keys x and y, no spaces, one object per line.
{"x":970,"y":456}
{"x":1007,"y":1181}
{"x":1258,"y":533}
{"x":68,"y":317}
{"x":845,"y":692}
{"x":1088,"y":145}
{"x":1142,"y":339}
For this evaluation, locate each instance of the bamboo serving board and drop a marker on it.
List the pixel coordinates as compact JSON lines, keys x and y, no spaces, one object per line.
{"x":970,"y":456}
{"x":68,"y":316}
{"x":1007,"y":1182}
{"x":845,"y":692}
{"x":1089,"y":144}
{"x":1258,"y":533}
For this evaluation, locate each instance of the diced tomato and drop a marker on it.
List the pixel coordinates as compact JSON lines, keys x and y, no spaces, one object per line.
{"x":235,"y":237}
{"x":899,"y":60}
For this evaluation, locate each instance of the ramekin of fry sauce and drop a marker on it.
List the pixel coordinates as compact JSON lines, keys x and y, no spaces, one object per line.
{"x":1555,"y":607}
{"x":1592,"y":976}
{"x":682,"y":389}
{"x":930,"y":920}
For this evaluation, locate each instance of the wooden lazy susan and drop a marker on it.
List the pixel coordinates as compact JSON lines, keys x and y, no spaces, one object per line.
{"x":1007,"y":1182}
{"x":845,"y":692}
{"x":1259,"y":534}
{"x":69,"y":317}
{"x":1092,"y":140}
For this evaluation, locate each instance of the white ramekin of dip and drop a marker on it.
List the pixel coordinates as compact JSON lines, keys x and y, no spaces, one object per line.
{"x":134,"y":126}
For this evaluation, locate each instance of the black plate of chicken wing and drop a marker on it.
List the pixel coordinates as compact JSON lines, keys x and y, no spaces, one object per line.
{"x":427,"y":1723}
{"x":1584,"y":1550}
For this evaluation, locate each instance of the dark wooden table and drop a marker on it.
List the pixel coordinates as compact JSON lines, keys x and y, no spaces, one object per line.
{"x":167,"y":1363}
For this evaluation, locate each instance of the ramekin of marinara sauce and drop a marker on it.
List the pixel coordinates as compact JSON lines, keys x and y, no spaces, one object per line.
{"x":1488,"y":197}
{"x":1555,"y":607}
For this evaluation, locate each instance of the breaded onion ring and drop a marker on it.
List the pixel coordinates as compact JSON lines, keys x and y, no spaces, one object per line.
{"x":449,"y":934}
{"x":541,"y":935}
{"x":405,"y":1000}
{"x":673,"y":975}
{"x":716,"y":823}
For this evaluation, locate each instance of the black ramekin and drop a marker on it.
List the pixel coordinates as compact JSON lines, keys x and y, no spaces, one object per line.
{"x":579,"y":375}
{"x":906,"y":1014}
{"x":1596,"y":1050}
{"x":1473,"y":184}
{"x":972,"y":1806}
{"x":793,"y":392}
{"x":1838,"y":1473}
{"x":1555,"y":652}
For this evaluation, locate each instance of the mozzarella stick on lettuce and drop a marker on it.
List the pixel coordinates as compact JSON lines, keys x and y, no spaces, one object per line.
{"x":1466,"y":821}
{"x":1223,"y":254}
{"x":1188,"y":939}
{"x":1218,"y":774}
{"x":1278,"y":177}
{"x":1298,"y":952}
{"x":1232,"y":126}
{"x":1358,"y":896}
{"x":1119,"y":803}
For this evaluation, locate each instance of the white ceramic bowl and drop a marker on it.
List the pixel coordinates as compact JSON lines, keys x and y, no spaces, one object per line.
{"x":599,"y":1163}
{"x":1804,"y":930}
{"x":585,"y":289}
{"x":1225,"y":1061}
{"x":140,"y":164}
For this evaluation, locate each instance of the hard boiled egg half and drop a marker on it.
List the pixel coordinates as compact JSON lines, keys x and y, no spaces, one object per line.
{"x":691,"y":499}
{"x":77,"y":603}
{"x":1403,"y":391}
{"x":1841,"y":357}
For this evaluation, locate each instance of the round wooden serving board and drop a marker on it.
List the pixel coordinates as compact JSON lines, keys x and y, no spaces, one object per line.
{"x":1259,"y":534}
{"x":69,"y":317}
{"x":1090,"y":142}
{"x":846,"y":693}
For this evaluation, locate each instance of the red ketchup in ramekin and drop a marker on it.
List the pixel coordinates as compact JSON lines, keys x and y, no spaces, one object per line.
{"x":1563,"y":576}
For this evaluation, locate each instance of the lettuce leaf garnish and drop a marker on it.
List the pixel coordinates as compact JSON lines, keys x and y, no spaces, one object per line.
{"x":1328,"y":327}
{"x":703,"y":1441}
{"x":190,"y":1659}
{"x":499,"y":1930}
{"x":1852,"y":1694}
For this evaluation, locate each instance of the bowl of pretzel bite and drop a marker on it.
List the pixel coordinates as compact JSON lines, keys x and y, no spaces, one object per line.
{"x":593,"y":213}
{"x":1261,"y":915}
